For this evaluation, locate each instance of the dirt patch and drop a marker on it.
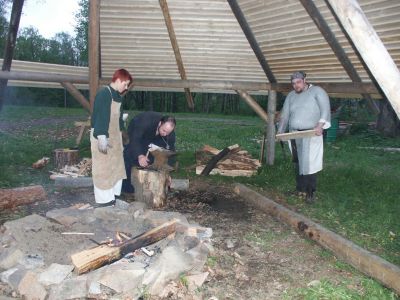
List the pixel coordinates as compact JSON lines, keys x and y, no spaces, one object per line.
{"x":255,"y":256}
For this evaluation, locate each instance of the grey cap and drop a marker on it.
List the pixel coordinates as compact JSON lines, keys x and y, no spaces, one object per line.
{"x":298,"y":75}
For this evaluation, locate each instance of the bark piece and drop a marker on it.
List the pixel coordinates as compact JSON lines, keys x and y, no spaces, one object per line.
{"x":96,"y":257}
{"x":10,"y":198}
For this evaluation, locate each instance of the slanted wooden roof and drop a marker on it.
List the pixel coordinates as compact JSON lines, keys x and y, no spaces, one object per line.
{"x":227,"y":45}
{"x":213,"y":46}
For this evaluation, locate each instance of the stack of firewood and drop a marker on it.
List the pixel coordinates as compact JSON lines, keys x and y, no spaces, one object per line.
{"x":236,"y":163}
{"x":83,"y":168}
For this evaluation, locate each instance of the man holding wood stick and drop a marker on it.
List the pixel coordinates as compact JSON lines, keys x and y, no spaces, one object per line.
{"x":307,"y":107}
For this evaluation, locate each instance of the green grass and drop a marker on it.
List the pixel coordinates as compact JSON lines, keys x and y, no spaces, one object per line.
{"x":358,"y":190}
{"x":326,"y":290}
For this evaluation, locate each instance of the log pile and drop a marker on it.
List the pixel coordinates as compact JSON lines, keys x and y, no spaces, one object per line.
{"x":236,"y":162}
{"x":81,"y":169}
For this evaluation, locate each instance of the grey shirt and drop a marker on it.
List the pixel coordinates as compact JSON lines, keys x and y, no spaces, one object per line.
{"x":302,"y":111}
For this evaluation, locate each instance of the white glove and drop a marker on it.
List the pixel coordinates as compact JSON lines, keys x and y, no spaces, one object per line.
{"x":102,"y":143}
{"x":125,"y":117}
{"x":153,"y":147}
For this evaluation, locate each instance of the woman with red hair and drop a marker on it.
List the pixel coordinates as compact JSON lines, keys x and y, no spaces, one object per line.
{"x":107,"y":123}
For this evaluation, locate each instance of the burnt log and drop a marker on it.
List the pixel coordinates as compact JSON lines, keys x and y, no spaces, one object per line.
{"x":10,"y":198}
{"x":101,"y":255}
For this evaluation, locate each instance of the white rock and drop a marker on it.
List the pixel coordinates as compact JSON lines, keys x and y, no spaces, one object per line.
{"x":55,"y":274}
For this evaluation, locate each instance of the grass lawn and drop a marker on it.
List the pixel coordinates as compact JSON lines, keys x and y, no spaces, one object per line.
{"x":358,"y":190}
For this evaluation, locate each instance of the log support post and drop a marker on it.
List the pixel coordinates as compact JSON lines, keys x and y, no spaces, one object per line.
{"x":271,"y":127}
{"x":253,"y":104}
{"x":10,"y":44}
{"x":76,"y":94}
{"x":94,"y":49}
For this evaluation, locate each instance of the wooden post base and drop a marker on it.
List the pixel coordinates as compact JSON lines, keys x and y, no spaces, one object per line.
{"x":151,"y":186}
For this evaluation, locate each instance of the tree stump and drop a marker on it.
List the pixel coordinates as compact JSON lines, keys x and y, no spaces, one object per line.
{"x":151,"y":186}
{"x":65,"y":157}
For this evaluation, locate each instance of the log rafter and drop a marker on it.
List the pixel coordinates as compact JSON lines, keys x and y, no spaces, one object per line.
{"x":175,"y":47}
{"x":251,"y":39}
{"x":337,"y":49}
{"x":331,"y":87}
{"x":370,"y":47}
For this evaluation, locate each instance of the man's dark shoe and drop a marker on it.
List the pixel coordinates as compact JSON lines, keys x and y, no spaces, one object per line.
{"x":310,"y":198}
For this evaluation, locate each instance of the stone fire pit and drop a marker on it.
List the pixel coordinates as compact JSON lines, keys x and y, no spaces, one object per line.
{"x":35,"y":253}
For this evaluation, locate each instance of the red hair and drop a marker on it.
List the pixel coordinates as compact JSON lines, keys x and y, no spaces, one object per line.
{"x":122,"y":75}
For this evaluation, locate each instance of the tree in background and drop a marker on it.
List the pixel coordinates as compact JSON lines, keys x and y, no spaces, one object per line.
{"x":82,"y":31}
{"x":3,"y":25}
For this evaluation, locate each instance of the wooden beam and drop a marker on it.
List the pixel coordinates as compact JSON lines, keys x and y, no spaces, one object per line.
{"x":251,"y":39}
{"x":77,"y":95}
{"x":271,"y":127}
{"x":253,"y":104}
{"x":94,"y":49}
{"x":361,"y":259}
{"x":331,"y":87}
{"x":10,"y":44}
{"x":175,"y":47}
{"x":370,"y":48}
{"x":341,"y":55}
{"x":44,"y":77}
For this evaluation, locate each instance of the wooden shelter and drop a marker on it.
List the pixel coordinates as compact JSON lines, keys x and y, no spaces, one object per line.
{"x":243,"y":46}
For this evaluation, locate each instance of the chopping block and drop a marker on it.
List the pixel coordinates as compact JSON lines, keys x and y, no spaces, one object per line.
{"x":151,"y":184}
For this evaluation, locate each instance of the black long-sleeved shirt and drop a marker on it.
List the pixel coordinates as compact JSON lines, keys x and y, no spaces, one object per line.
{"x":142,"y":132}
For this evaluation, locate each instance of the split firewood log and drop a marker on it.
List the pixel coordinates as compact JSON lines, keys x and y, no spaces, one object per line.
{"x":97,"y":257}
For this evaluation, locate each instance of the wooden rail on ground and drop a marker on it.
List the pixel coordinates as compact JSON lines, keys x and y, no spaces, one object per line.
{"x":363,"y":260}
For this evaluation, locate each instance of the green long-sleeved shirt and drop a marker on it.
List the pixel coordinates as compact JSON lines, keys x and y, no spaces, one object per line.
{"x":100,"y":120}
